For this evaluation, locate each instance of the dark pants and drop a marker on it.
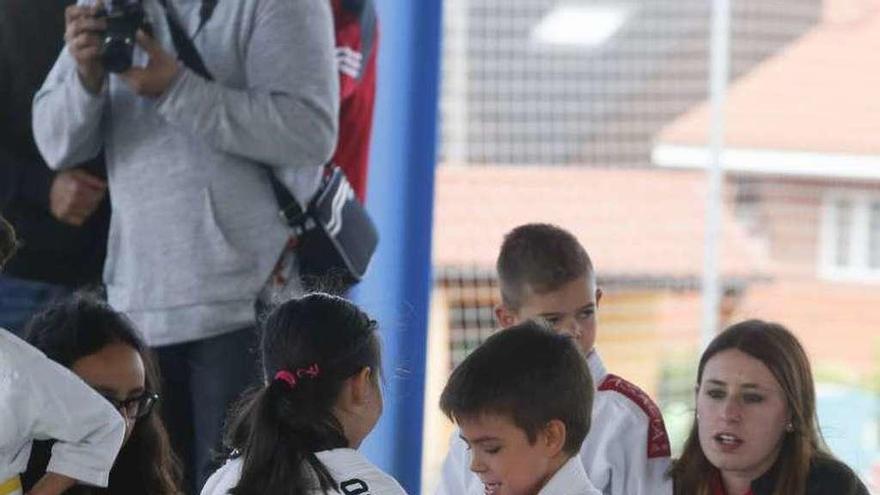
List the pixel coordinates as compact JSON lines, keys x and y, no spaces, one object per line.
{"x":201,"y":380}
{"x":22,"y":299}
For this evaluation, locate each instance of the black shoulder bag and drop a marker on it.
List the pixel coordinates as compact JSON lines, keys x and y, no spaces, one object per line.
{"x":334,"y":238}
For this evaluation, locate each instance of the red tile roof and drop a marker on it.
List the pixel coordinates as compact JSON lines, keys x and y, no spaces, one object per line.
{"x":820,"y":94}
{"x":634,"y":222}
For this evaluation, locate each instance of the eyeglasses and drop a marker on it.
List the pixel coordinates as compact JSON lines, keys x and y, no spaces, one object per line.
{"x":135,"y":407}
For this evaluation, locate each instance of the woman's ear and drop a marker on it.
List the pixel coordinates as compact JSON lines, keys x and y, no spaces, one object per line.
{"x":553,"y":437}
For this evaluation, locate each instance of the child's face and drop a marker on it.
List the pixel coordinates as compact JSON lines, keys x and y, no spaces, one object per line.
{"x":504,"y":459}
{"x":116,"y":372}
{"x":570,"y":309}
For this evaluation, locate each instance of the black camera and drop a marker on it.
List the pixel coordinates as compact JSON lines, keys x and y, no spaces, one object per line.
{"x":124,"y":18}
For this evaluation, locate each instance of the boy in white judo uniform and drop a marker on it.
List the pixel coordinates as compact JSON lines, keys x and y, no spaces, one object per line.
{"x":522,"y":403}
{"x":544,"y":272}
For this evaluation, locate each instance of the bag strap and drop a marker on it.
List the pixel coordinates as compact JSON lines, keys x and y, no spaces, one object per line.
{"x":289,"y":207}
{"x":186,"y":49}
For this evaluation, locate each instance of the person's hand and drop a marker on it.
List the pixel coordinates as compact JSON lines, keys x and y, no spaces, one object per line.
{"x":82,"y":34}
{"x":161,"y":69}
{"x":52,"y":484}
{"x":75,"y":195}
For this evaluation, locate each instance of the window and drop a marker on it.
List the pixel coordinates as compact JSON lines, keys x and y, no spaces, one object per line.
{"x":850,"y":240}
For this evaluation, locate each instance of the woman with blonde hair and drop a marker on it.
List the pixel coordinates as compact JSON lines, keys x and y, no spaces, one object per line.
{"x":755,"y":430}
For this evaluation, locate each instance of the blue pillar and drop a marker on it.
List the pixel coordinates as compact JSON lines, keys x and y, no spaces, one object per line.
{"x":400,"y":197}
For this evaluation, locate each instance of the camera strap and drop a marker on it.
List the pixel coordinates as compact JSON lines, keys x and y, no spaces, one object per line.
{"x":188,"y":54}
{"x":186,"y":49}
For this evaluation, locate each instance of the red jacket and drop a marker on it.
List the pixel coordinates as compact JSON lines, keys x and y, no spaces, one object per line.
{"x":357,"y":38}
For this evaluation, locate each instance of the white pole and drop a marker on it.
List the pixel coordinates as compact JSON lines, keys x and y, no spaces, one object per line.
{"x":718,"y":77}
{"x":455,"y":77}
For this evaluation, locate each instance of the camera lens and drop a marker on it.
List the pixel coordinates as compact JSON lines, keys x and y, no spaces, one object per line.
{"x":118,"y":54}
{"x":123,"y":21}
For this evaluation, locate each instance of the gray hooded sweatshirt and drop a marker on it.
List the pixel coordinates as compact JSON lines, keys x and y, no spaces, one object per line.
{"x":194,"y":231}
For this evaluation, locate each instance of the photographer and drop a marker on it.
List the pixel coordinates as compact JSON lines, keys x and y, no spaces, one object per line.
{"x":61,"y":217}
{"x":194,"y":232}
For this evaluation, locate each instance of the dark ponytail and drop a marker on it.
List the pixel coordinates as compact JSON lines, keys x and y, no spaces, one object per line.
{"x":278,"y":428}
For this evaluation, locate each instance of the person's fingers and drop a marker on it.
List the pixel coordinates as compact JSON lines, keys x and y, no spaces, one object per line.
{"x":83,"y":23}
{"x":85,"y":41}
{"x":91,"y":24}
{"x":69,"y":214}
{"x":82,"y":43}
{"x":74,"y":219}
{"x":136,"y":78}
{"x":84,"y":196}
{"x":74,"y":12}
{"x":148,"y":43}
{"x":88,"y":179}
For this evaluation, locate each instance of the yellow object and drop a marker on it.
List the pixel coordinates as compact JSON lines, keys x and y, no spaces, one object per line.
{"x":12,"y":486}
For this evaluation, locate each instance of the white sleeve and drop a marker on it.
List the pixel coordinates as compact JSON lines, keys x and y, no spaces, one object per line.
{"x":636,"y":470}
{"x":453,"y":478}
{"x":87,"y":429}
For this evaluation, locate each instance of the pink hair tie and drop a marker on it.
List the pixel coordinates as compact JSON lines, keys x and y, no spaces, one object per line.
{"x":287,"y":377}
{"x":292,"y":377}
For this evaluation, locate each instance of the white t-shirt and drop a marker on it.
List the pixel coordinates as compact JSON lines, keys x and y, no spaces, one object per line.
{"x":625,"y":453}
{"x":41,"y":400}
{"x":571,"y":479}
{"x":348,"y":467}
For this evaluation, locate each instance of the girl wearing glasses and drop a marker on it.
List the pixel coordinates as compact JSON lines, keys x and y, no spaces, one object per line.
{"x":102,"y":347}
{"x":41,"y":399}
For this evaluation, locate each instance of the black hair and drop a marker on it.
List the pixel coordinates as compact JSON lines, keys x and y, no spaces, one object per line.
{"x":8,"y":243}
{"x":82,"y":325}
{"x":527,"y":373}
{"x":539,"y":257}
{"x":277,"y":428}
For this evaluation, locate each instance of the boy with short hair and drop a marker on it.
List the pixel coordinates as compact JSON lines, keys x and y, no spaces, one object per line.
{"x":544,"y":272}
{"x":40,"y":399}
{"x":522,"y":402}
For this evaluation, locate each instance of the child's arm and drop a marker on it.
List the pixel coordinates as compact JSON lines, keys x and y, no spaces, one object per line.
{"x":87,"y":429}
{"x":52,"y":484}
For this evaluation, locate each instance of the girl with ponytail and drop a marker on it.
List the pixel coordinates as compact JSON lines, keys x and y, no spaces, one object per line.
{"x":298,"y":434}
